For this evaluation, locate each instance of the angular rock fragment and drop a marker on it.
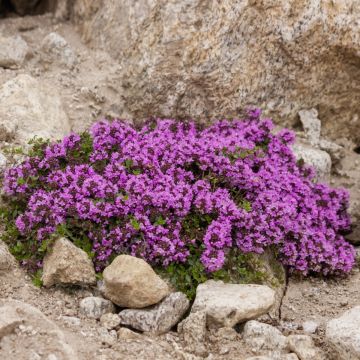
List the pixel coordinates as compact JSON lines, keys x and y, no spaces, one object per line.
{"x":67,"y":264}
{"x":13,"y":51}
{"x":157,"y":319}
{"x":95,"y":307}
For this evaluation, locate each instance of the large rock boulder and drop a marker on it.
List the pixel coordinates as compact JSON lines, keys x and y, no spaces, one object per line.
{"x":12,"y":51}
{"x":229,"y":304}
{"x":29,"y":107}
{"x":67,"y":264}
{"x":45,"y":337}
{"x":131,"y":282}
{"x":343,"y":334}
{"x":158,"y":319}
{"x":208,"y":59}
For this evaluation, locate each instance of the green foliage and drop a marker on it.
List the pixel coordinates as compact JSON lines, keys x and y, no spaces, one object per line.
{"x":240,"y":268}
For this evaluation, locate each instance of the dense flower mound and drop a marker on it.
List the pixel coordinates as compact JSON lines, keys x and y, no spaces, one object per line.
{"x":170,"y":188}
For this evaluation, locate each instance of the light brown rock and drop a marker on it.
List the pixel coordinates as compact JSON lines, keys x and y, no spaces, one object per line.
{"x":192,"y":331}
{"x":67,"y":264}
{"x":110,"y":321}
{"x":28,"y":107}
{"x":304,"y":347}
{"x":46,"y":337}
{"x":131,"y":282}
{"x":7,"y":261}
{"x":230,"y":304}
{"x":209,"y":59}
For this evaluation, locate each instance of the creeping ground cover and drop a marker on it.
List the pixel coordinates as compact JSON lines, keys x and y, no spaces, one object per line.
{"x":179,"y":196}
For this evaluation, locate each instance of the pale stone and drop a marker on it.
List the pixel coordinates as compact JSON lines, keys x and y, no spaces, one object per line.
{"x":230,"y":304}
{"x":50,"y":337}
{"x":157,"y":319}
{"x":303,"y":346}
{"x":13,"y":51}
{"x":95,"y":307}
{"x":343,"y":334}
{"x":55,"y":49}
{"x":30,"y":108}
{"x":67,"y":264}
{"x":310,"y":327}
{"x":7,"y":261}
{"x":127,"y":334}
{"x":9,"y":320}
{"x":131,"y":282}
{"x":319,"y":159}
{"x":311,"y":125}
{"x":192,"y":331}
{"x":110,"y":321}
{"x":260,"y":336}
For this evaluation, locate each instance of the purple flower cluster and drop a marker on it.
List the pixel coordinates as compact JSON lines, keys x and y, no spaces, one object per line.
{"x":136,"y":191}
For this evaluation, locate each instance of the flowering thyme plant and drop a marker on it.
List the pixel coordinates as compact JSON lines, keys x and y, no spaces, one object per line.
{"x":171,"y":190}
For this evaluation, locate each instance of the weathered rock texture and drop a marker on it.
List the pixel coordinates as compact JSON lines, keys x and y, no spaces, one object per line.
{"x":158,"y":319}
{"x":7,"y":261}
{"x":12,"y":51}
{"x":343,"y":334}
{"x":207,"y":59}
{"x":67,"y":264}
{"x":229,"y":304}
{"x":28,"y":108}
{"x":45,"y":338}
{"x":131,"y":282}
{"x":95,"y":307}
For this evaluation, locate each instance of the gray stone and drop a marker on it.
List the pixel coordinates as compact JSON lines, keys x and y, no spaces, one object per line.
{"x":110,"y":321}
{"x":343,"y":334}
{"x":13,"y":51}
{"x":264,"y":337}
{"x":55,"y":49}
{"x":229,"y":304}
{"x":335,"y":151}
{"x":303,"y":346}
{"x":107,"y":337}
{"x":192,"y":331}
{"x":157,"y":319}
{"x":29,"y":108}
{"x":131,"y":282}
{"x":319,"y":159}
{"x":311,"y":125}
{"x":95,"y":307}
{"x":67,"y":264}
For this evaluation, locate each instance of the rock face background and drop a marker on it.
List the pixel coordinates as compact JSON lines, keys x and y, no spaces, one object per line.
{"x":209,"y":59}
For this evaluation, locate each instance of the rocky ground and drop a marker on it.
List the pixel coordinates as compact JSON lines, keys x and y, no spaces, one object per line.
{"x":59,"y":82}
